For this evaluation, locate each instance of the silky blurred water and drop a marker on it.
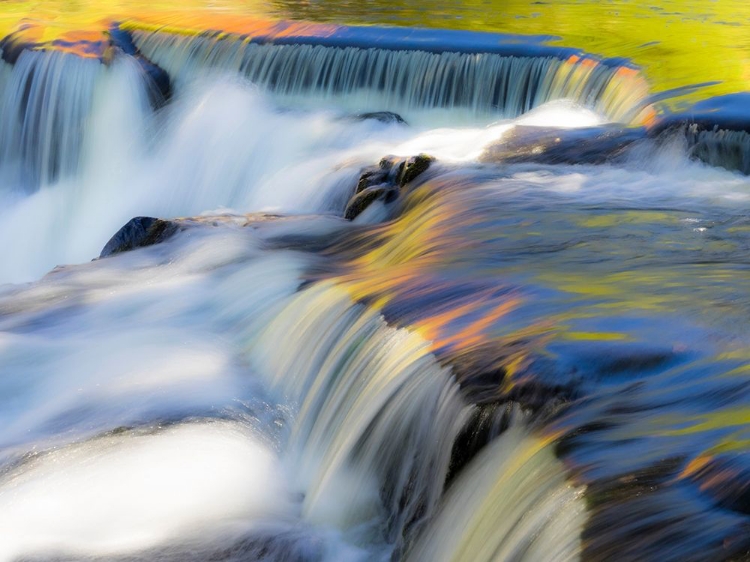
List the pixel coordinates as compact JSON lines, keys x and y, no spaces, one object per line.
{"x":520,"y":359}
{"x":677,"y":42}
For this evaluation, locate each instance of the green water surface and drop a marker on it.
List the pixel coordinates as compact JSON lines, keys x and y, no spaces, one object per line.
{"x":678,"y":43}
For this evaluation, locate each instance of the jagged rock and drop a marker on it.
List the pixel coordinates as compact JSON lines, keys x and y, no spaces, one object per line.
{"x":371,"y":178}
{"x":413,"y":167}
{"x":382,"y":116}
{"x":541,"y":145}
{"x":139,"y":232}
{"x":385,"y":181}
{"x":364,"y":199}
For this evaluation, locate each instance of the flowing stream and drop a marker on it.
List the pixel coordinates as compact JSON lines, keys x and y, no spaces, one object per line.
{"x":514,"y":360}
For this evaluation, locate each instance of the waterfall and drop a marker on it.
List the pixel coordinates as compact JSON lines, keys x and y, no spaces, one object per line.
{"x":512,"y":503}
{"x":485,"y":84}
{"x":48,"y":95}
{"x":485,"y":364}
{"x":377,"y":416}
{"x":46,"y":103}
{"x":333,"y":427}
{"x":721,"y":147}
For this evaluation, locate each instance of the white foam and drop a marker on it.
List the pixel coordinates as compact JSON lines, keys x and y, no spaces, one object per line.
{"x":564,"y":114}
{"x":125,"y":493}
{"x":467,"y":143}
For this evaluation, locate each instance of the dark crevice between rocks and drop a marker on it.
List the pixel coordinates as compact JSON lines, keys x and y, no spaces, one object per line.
{"x":160,"y":91}
{"x":486,"y":423}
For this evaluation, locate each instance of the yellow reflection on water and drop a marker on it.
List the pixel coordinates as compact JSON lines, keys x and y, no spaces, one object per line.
{"x":57,"y":17}
{"x":678,"y":42}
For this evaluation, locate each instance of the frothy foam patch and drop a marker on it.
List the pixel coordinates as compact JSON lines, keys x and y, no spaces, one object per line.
{"x":563,"y":114}
{"x":467,"y":144}
{"x":126,"y":493}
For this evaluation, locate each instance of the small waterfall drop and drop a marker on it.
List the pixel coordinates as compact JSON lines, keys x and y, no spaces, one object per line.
{"x":351,"y":463}
{"x":46,"y":105}
{"x":482,"y":84}
{"x":721,"y":147}
{"x":275,"y":382}
{"x":376,"y":418}
{"x":511,"y":503}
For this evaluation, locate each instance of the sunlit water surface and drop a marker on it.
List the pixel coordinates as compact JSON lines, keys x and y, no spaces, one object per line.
{"x":511,"y":361}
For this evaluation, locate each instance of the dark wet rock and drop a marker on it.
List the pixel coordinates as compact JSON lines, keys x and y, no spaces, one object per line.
{"x":413,"y":167}
{"x":385,"y":181}
{"x":139,"y":232}
{"x":161,"y":86}
{"x":382,"y":116}
{"x":541,"y":145}
{"x":372,"y":178}
{"x":11,"y":49}
{"x":364,"y":199}
{"x":309,"y":233}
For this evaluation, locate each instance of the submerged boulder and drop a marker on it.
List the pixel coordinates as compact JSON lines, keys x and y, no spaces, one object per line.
{"x":139,"y":232}
{"x":382,"y":116}
{"x":542,"y":145}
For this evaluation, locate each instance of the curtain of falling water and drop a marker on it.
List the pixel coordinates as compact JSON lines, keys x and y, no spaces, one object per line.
{"x":481,"y":84}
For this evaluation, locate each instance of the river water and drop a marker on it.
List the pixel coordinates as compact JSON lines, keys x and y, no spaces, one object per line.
{"x":513,"y":358}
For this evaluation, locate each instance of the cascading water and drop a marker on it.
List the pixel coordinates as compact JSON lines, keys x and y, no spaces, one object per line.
{"x":482,"y":365}
{"x":349,"y":464}
{"x":377,"y":415}
{"x":483,"y":85}
{"x":722,"y":148}
{"x":516,"y":476}
{"x":107,"y":156}
{"x":47,"y":99}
